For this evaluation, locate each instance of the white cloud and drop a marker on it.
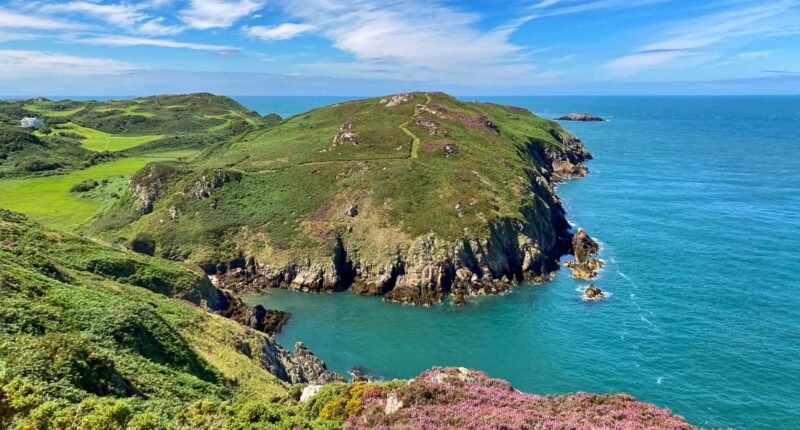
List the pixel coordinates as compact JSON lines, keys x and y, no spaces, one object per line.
{"x":122,"y":15}
{"x":279,"y":32}
{"x":10,"y":19}
{"x":412,"y":40}
{"x":24,"y":64}
{"x":205,"y":14}
{"x":753,"y":55}
{"x":144,"y":41}
{"x":635,"y":63}
{"x":696,"y":37}
{"x":156,"y":27}
{"x":544,"y":7}
{"x":8,"y":37}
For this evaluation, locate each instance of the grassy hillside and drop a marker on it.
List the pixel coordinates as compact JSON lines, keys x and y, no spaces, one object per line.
{"x":104,"y":142}
{"x":93,"y":337}
{"x":406,"y":166}
{"x":78,"y":134}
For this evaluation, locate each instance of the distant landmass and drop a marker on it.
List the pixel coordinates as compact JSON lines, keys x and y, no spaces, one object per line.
{"x":580,"y":116}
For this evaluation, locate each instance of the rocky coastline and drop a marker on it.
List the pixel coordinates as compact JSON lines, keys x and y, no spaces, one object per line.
{"x":433,"y":269}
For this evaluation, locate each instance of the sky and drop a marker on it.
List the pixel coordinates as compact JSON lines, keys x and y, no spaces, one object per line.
{"x":369,"y":47}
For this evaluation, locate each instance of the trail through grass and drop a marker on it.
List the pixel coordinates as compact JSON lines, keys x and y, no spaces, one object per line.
{"x":49,"y":200}
{"x":415,"y":139}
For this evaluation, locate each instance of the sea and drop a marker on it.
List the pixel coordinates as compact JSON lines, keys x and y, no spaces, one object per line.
{"x":696,"y":203}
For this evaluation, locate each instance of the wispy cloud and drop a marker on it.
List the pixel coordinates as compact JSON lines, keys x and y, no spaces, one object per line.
{"x":391,"y":38}
{"x":753,"y":55}
{"x":157,"y":27}
{"x":19,"y":63}
{"x":279,"y":32}
{"x":123,"y":15}
{"x":9,"y":19}
{"x":680,"y":40}
{"x":562,"y":7}
{"x":144,"y":41}
{"x":205,"y":14}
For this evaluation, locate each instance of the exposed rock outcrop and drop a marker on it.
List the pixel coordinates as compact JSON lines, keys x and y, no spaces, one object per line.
{"x":580,"y":116}
{"x":583,"y":249}
{"x":396,"y":99}
{"x":146,"y":187}
{"x":269,"y":321}
{"x":567,"y":162}
{"x":300,"y":366}
{"x":593,"y":293}
{"x":345,"y":134}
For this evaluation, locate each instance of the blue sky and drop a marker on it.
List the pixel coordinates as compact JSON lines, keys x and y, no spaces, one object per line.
{"x":332,"y":47}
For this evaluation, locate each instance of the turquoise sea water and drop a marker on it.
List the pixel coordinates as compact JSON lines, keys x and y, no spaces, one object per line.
{"x":696,"y":201}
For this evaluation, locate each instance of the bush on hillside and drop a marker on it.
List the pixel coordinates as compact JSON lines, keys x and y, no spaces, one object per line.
{"x":84,"y":186}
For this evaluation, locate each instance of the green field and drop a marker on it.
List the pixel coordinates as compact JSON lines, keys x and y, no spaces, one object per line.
{"x":41,"y":108}
{"x":97,"y":140}
{"x":49,"y":200}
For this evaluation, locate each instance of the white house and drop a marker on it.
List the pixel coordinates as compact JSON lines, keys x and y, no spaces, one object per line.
{"x":31,"y":122}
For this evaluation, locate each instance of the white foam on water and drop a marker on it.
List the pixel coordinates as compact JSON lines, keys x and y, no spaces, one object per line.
{"x":658,"y":380}
{"x":647,"y":321}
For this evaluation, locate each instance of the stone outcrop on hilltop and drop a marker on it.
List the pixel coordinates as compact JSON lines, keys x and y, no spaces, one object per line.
{"x":580,"y":116}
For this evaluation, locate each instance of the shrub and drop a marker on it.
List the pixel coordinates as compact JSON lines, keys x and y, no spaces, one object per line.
{"x":84,"y":186}
{"x":143,"y":244}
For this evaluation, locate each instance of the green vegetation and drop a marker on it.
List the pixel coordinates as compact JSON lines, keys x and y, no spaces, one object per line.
{"x":48,"y":199}
{"x":91,"y":337}
{"x":96,"y":140}
{"x":80,"y":134}
{"x":409,"y":166}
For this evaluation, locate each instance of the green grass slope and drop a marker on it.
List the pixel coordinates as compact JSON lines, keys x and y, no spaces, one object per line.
{"x":98,"y":338}
{"x":78,"y":134}
{"x":411,"y":165}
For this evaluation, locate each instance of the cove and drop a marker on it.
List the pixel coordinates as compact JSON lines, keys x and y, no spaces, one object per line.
{"x":696,"y":201}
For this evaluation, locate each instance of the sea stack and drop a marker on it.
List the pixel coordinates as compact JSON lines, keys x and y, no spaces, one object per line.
{"x":583,"y":249}
{"x":593,"y":293}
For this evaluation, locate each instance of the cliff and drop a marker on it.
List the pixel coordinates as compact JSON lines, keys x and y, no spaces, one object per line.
{"x":414,"y":197}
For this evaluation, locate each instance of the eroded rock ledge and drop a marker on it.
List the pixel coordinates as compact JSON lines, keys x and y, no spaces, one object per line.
{"x":432,"y":269}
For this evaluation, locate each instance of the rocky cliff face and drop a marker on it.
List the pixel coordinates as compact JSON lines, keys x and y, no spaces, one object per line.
{"x":432,"y":269}
{"x":300,"y":366}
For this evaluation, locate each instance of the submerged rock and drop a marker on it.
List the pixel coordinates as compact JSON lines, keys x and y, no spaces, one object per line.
{"x":580,"y":116}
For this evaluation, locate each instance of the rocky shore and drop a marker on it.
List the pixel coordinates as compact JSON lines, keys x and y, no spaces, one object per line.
{"x":432,"y":269}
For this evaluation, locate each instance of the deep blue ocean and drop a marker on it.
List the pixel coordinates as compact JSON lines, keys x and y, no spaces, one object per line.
{"x":696,"y":201}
